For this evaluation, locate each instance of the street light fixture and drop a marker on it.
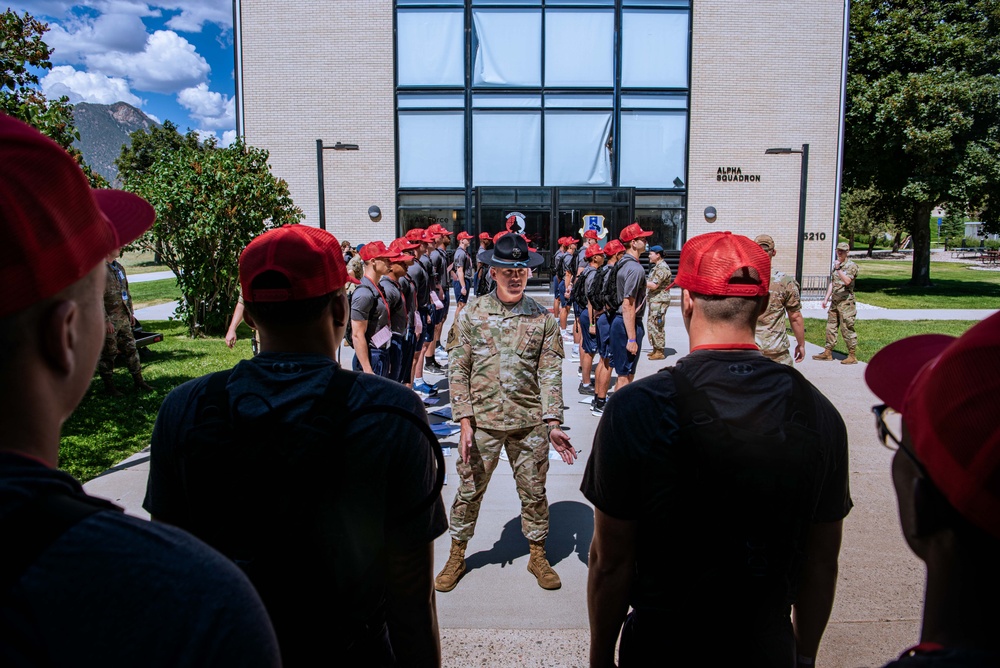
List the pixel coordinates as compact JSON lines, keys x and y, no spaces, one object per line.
{"x":319,"y":174}
{"x":803,"y":182}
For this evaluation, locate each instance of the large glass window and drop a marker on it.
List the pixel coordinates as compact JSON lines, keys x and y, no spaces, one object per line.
{"x":507,"y":47}
{"x":432,"y":149}
{"x":430,"y":47}
{"x":654,"y":49}
{"x":577,"y":148}
{"x":579,"y":48}
{"x":507,"y":148}
{"x":654,"y":146}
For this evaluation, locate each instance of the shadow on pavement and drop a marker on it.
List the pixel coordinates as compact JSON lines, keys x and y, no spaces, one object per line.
{"x":571,"y":528}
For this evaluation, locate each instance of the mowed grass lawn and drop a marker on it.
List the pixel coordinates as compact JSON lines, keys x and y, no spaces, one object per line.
{"x":105,"y":430}
{"x":883,"y":283}
{"x":873,"y":335}
{"x":151,"y":293}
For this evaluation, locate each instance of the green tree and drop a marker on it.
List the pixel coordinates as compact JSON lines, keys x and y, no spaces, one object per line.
{"x":862,"y":213}
{"x":923,"y":111}
{"x":210,"y":202}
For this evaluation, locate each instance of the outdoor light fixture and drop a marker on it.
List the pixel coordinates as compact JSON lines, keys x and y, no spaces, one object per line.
{"x":710,"y":214}
{"x":374,"y":212}
{"x":803,"y":182}
{"x":339,"y":146}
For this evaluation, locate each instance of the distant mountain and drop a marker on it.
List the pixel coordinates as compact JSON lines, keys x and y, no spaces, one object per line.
{"x":104,"y":129}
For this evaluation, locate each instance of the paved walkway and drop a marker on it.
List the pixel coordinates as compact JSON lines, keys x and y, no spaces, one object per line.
{"x":498,"y":616}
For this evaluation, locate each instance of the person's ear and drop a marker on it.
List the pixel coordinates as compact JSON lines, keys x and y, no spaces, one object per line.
{"x":687,"y":303}
{"x":59,"y":336}
{"x":339,"y":308}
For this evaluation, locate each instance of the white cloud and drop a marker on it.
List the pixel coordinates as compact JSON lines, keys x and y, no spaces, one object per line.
{"x":75,"y":40}
{"x":87,"y":87}
{"x":212,"y":110}
{"x":196,"y":13}
{"x":168,"y":63}
{"x":228,"y":137}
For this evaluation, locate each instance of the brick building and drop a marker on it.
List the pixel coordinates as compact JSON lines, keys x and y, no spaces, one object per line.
{"x":464,"y":111}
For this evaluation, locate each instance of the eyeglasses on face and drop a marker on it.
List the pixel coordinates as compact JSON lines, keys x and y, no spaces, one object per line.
{"x":889,"y":439}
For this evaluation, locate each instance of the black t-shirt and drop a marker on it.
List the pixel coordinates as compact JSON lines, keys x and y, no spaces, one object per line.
{"x":642,"y":469}
{"x":408,"y":290}
{"x":418,"y":274}
{"x":429,"y":269}
{"x":439,"y":260}
{"x":368,"y":304}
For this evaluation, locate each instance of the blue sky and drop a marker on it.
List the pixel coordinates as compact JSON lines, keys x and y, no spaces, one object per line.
{"x":173,"y":59}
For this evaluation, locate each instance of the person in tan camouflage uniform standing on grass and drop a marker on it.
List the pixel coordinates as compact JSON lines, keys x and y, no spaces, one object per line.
{"x":505,"y":378}
{"x":771,"y":334}
{"x":119,"y":320}
{"x":843,"y":309}
{"x":658,"y":296}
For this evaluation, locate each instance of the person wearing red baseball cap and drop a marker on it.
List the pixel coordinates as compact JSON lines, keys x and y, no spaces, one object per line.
{"x":371,"y":335}
{"x":483,"y":283}
{"x":273,"y":462}
{"x":946,"y":473}
{"x":461,"y":263}
{"x":85,"y":584}
{"x":441,"y":300}
{"x":719,"y":487}
{"x":393,"y":286}
{"x":557,"y":277}
{"x":604,"y":312}
{"x":420,"y":275}
{"x":627,"y":330}
{"x":408,"y":295}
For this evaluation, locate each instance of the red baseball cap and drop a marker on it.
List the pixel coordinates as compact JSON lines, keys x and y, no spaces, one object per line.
{"x":589,"y":234}
{"x":416,"y":234}
{"x":946,"y":388}
{"x":613,"y":247}
{"x":308,"y":257}
{"x":485,"y":236}
{"x":464,"y":235}
{"x":723,"y":264}
{"x":402,"y":244}
{"x":439,"y":230}
{"x":375,"y":249}
{"x":56,"y":228}
{"x":594,"y":249}
{"x":499,"y":234}
{"x":633,"y":231}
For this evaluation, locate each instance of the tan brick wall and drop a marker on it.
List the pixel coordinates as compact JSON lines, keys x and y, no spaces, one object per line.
{"x":766,"y":74}
{"x":317,"y":69}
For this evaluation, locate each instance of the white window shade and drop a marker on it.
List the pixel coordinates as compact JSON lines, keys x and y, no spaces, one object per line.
{"x":576,"y":152}
{"x":508,"y":47}
{"x":430,"y":47}
{"x":654,"y":49}
{"x":579,"y":48}
{"x":653,"y":148}
{"x":507,"y":148}
{"x":432,"y":149}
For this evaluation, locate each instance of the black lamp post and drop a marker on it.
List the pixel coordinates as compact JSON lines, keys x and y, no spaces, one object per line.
{"x":804,"y":181}
{"x":319,"y":174}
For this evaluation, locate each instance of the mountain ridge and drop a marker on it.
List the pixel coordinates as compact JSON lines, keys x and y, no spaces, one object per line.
{"x":104,"y":129}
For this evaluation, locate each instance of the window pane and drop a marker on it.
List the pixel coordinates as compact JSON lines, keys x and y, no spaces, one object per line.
{"x":579,"y":48}
{"x":654,"y":101}
{"x":507,"y":100}
{"x":576,"y":151}
{"x":439,"y":200}
{"x":431,"y":150}
{"x":654,"y":49}
{"x":507,"y":46}
{"x":653,"y":148}
{"x":596,"y":101}
{"x":428,"y":101}
{"x":506,"y":148}
{"x":430,"y":48}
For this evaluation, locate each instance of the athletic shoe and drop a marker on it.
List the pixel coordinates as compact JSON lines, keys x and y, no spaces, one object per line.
{"x":432,"y":366}
{"x":440,"y":349}
{"x":589,"y":400}
{"x":586,"y":389}
{"x":424,"y":388}
{"x":597,"y":410}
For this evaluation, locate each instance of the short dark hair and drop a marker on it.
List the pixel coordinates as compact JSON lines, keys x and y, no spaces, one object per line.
{"x":719,"y":308}
{"x":289,"y":313}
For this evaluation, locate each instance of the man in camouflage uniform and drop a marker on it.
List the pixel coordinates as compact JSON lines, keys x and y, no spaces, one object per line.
{"x":658,"y":295}
{"x":355,"y":270}
{"x":505,"y":378}
{"x":118,"y":321}
{"x":843,"y":309}
{"x":771,"y":335}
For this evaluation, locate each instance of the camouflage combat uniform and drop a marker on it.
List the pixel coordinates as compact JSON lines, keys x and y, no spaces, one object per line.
{"x":355,"y":268}
{"x":659,"y":302}
{"x":118,"y":312}
{"x":772,"y":336}
{"x":843,"y":308}
{"x":505,"y":373}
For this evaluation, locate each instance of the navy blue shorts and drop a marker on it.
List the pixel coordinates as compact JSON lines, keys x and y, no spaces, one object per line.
{"x":457,"y":287}
{"x":604,"y":337}
{"x":379,"y":360}
{"x":439,"y":314}
{"x":409,"y":347}
{"x":427,"y":334}
{"x":588,"y":341}
{"x":563,"y":299}
{"x":622,"y":360}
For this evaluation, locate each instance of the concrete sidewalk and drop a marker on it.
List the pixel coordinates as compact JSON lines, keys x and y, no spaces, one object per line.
{"x":498,"y":616}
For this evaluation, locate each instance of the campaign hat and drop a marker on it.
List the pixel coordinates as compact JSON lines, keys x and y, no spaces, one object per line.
{"x":56,"y":228}
{"x":511,"y":250}
{"x":632,"y":232}
{"x":308,"y":257}
{"x":723,"y":264}
{"x":946,"y":388}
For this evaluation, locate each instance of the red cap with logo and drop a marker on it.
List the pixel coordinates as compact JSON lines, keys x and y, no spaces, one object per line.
{"x":613,"y":247}
{"x":594,"y":249}
{"x":415,"y":234}
{"x":56,"y":229}
{"x":309,"y":258}
{"x":633,"y":231}
{"x":375,"y":249}
{"x":724,"y":264}
{"x":485,"y":236}
{"x":589,"y":234}
{"x":946,"y":390}
{"x":464,"y":235}
{"x":402,"y":244}
{"x":439,"y":230}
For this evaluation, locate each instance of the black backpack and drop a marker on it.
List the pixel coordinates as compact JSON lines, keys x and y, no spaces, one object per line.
{"x":595,"y":295}
{"x":579,"y":293}
{"x":266,"y":494}
{"x":609,"y":289}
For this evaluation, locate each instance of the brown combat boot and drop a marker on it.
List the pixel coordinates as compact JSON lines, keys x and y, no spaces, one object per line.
{"x":539,"y":566}
{"x":657,"y":354}
{"x":825,"y":356}
{"x":453,"y":569}
{"x":109,"y":385}
{"x":140,"y":384}
{"x":850,"y":359}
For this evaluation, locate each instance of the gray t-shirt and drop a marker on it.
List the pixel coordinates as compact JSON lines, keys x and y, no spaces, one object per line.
{"x":632,"y":283}
{"x":397,"y":311}
{"x":421,"y":280}
{"x":462,"y":259}
{"x":367,"y":304}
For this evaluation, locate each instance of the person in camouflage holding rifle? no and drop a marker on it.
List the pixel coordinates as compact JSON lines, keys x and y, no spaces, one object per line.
{"x":505,"y":378}
{"x":770,"y":334}
{"x":658,"y":295}
{"x":843,"y":308}
{"x":119,"y":319}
